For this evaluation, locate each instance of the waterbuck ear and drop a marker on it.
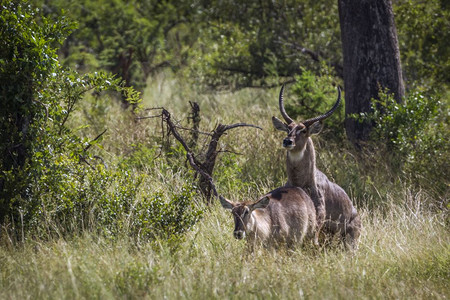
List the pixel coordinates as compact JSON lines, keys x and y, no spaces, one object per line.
{"x":315,"y":128}
{"x":262,"y":203}
{"x":226,"y":203}
{"x":278,"y":124}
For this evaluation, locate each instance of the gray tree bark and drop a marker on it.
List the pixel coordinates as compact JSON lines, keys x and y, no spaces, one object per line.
{"x":371,"y":59}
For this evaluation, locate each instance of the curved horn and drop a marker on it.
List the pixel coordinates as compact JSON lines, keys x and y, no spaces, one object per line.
{"x":283,"y":112}
{"x":327,"y":114}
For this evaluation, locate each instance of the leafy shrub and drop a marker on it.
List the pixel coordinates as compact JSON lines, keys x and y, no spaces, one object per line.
{"x":413,"y":136}
{"x":34,"y":112}
{"x":253,"y":44}
{"x":229,"y":173}
{"x":141,"y":157}
{"x":156,"y":217}
{"x":77,"y":198}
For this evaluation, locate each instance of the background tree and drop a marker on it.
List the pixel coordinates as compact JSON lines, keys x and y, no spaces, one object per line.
{"x":142,"y":38}
{"x":424,"y":42}
{"x":255,"y":43}
{"x":371,"y":59}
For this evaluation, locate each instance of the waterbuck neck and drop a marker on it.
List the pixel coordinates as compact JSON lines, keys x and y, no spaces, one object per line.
{"x":301,"y":164}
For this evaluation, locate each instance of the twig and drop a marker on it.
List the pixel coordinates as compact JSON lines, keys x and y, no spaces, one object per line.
{"x":153,"y":108}
{"x":193,"y":130}
{"x":314,"y":55}
{"x":205,"y":175}
{"x":227,"y":127}
{"x":148,"y":117}
{"x":90,"y":143}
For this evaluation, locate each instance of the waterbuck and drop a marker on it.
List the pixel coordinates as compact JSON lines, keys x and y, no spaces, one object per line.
{"x":286,"y":215}
{"x":334,"y":209}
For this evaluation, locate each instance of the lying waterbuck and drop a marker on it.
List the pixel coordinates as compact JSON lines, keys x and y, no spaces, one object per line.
{"x":284,"y":216}
{"x":335,"y":210}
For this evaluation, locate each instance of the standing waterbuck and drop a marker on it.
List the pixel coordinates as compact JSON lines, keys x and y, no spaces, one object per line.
{"x":284,"y":216}
{"x":335,"y":210}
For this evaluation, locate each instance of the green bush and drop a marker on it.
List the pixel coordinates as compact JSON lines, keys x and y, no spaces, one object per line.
{"x":156,"y":217}
{"x":413,"y":137}
{"x":30,"y":113}
{"x":71,"y":198}
{"x":246,"y":44}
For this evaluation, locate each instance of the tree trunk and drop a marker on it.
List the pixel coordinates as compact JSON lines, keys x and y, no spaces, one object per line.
{"x":371,"y":59}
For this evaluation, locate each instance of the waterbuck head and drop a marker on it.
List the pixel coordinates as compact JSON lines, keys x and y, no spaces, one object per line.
{"x":298,"y":133}
{"x":242,"y":214}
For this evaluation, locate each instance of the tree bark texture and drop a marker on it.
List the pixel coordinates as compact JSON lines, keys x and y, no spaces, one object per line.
{"x":371,"y":59}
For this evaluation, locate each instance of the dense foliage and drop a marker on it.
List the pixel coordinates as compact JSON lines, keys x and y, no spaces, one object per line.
{"x":238,"y":43}
{"x":414,"y":136}
{"x":424,"y":45}
{"x":142,"y":38}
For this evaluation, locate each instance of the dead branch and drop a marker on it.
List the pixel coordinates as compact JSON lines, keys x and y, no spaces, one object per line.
{"x":191,"y":158}
{"x":227,"y":127}
{"x":206,"y":168}
{"x":90,"y":143}
{"x":148,"y":117}
{"x":315,"y":56}
{"x":195,"y":117}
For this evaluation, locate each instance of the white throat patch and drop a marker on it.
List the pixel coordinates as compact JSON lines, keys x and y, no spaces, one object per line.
{"x":297,"y":155}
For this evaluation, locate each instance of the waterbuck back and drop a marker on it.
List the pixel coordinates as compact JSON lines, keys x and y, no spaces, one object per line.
{"x":286,"y":215}
{"x":341,"y":216}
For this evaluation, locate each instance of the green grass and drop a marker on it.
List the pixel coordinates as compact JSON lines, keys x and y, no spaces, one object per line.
{"x":404,"y":252}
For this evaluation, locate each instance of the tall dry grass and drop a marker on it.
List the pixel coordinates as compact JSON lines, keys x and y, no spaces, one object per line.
{"x":404,"y":253}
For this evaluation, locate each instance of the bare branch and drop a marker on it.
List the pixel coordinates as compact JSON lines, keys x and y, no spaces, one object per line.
{"x":191,"y":158}
{"x":227,"y":127}
{"x":205,"y":175}
{"x":148,"y":117}
{"x":205,"y":168}
{"x":90,"y":143}
{"x":173,"y":129}
{"x":153,"y":108}
{"x":195,"y":117}
{"x":193,"y":130}
{"x":314,"y":55}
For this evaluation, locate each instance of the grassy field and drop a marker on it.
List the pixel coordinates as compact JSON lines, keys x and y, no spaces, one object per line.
{"x":404,"y":251}
{"x":403,"y":254}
